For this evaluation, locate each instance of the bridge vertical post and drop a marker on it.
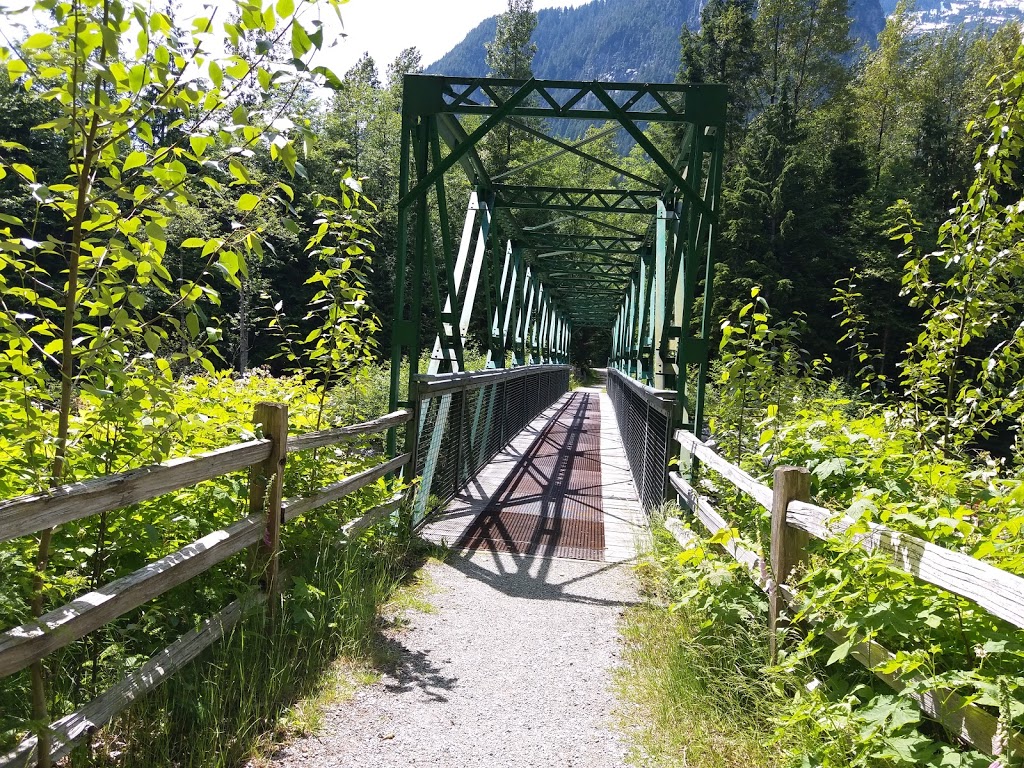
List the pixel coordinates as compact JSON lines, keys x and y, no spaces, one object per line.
{"x":788,"y":544}
{"x":641,"y":314}
{"x":399,"y":330}
{"x":542,"y":329}
{"x":649,"y":319}
{"x":661,"y":360}
{"x":631,"y":339}
{"x":448,"y":346}
{"x":714,"y":183}
{"x":614,"y":346}
{"x":503,"y":311}
{"x":523,"y":324}
{"x":689,"y":229}
{"x":538,"y":300}
{"x":493,"y":275}
{"x":513,"y":304}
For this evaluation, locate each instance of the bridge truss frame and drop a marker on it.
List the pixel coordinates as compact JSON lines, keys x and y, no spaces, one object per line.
{"x":535,"y":285}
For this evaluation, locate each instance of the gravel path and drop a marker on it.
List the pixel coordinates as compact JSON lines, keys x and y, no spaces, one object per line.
{"x":513,"y":669}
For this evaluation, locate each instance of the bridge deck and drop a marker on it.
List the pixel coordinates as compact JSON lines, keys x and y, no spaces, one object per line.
{"x":562,"y":488}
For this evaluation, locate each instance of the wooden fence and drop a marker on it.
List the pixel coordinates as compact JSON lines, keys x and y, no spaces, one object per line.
{"x":795,"y":520}
{"x":265,"y":458}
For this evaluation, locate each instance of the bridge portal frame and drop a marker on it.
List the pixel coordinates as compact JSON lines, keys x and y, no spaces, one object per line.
{"x":538,"y":284}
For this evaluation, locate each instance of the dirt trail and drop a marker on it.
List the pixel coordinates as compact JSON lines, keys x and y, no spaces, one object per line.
{"x":512,"y":668}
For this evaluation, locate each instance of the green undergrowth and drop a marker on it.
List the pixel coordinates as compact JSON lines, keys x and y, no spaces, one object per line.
{"x":706,"y":695}
{"x":693,"y":677}
{"x":871,"y":462}
{"x":583,"y":377}
{"x":350,"y":580}
{"x":272,"y":677}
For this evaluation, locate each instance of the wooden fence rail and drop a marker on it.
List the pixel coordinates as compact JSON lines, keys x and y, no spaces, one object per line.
{"x":265,"y":458}
{"x":997,"y":591}
{"x":794,"y":518}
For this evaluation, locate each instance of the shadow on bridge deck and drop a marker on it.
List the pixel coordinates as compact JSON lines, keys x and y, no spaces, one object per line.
{"x":561,"y":489}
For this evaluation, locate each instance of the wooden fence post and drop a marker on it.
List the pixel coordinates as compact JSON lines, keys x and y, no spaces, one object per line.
{"x":266,"y":484}
{"x":788,"y":545}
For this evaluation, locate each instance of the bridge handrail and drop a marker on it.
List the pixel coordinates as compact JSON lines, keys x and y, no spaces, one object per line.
{"x":662,"y":399}
{"x":34,"y":640}
{"x":427,"y":386}
{"x":464,"y":419}
{"x":999,"y":592}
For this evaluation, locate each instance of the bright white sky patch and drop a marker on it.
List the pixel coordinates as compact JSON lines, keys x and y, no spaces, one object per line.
{"x":386,"y":27}
{"x":382,"y":28}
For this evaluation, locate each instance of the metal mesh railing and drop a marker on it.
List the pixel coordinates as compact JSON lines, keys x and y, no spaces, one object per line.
{"x":464,"y":420}
{"x":644,"y":417}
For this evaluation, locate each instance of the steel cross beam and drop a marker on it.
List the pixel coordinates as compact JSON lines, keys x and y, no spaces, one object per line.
{"x":605,"y":244}
{"x":567,"y":99}
{"x":619,"y":270}
{"x":627,"y":201}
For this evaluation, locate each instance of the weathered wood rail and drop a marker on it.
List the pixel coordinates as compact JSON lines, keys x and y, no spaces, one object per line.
{"x":795,"y":519}
{"x":265,"y":458}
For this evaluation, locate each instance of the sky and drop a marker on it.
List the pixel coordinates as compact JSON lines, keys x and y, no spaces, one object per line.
{"x":386,"y":27}
{"x":382,"y":28}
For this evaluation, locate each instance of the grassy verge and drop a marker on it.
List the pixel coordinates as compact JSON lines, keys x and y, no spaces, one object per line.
{"x":696,"y":691}
{"x":274,"y":675}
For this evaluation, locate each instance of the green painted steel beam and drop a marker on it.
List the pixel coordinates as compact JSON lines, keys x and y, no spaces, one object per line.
{"x":575,"y":242}
{"x":621,"y":201}
{"x":621,"y":271}
{"x":458,"y":151}
{"x":569,"y":99}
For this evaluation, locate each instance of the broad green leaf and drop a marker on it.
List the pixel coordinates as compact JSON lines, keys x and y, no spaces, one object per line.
{"x":38,"y":40}
{"x":229,"y":260}
{"x":248,"y":201}
{"x":840,"y":653}
{"x":24,"y":170}
{"x":16,"y":68}
{"x":135,"y":160}
{"x":199,"y":143}
{"x":213,"y":244}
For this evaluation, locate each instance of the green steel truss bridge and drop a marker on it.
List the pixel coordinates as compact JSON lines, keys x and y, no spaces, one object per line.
{"x":533,"y":264}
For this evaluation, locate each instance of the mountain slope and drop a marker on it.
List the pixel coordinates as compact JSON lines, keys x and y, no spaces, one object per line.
{"x":603,"y":40}
{"x":635,"y":40}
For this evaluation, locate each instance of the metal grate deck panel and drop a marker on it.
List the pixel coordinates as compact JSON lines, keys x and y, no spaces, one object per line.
{"x":550,"y":505}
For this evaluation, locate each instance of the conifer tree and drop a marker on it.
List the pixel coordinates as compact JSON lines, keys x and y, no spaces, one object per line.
{"x":724,"y":50}
{"x":511,"y":53}
{"x":510,"y":56}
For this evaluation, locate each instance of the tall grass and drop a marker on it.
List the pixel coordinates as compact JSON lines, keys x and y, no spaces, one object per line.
{"x":217,"y":711}
{"x":697,"y":690}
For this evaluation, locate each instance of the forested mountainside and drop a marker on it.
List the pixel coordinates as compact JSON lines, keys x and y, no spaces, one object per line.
{"x":603,"y":40}
{"x":615,"y":40}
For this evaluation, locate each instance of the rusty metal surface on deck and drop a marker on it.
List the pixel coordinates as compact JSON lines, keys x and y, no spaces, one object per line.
{"x":550,"y":505}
